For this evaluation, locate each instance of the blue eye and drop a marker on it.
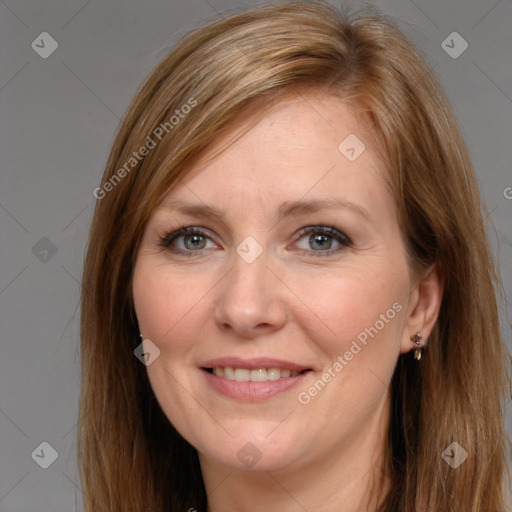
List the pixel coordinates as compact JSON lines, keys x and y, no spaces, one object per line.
{"x":193,"y":240}
{"x":320,"y":239}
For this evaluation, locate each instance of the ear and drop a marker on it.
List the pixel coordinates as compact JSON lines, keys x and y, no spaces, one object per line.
{"x":423,"y":308}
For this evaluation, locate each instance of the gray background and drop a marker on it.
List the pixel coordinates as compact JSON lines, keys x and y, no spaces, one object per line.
{"x":59,"y":116}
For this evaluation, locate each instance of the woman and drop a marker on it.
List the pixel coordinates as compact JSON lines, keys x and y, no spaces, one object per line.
{"x":288,"y":295}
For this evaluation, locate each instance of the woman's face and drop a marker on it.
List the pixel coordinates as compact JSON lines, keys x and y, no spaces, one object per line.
{"x":279,"y":318}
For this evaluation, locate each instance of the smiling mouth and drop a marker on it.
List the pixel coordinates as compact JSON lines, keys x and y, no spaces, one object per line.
{"x":253,"y":375}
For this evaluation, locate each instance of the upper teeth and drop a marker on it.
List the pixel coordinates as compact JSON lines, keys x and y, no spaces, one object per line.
{"x":258,"y":375}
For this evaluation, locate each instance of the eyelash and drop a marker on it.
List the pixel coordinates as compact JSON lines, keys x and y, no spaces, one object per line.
{"x":167,"y":239}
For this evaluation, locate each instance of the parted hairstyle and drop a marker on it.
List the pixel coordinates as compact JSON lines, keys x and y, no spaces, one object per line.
{"x":130,"y":457}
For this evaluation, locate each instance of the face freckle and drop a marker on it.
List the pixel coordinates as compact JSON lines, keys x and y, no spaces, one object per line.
{"x":258,"y":291}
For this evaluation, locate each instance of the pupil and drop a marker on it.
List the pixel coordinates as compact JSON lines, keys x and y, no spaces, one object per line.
{"x":320,"y":239}
{"x":194,"y":239}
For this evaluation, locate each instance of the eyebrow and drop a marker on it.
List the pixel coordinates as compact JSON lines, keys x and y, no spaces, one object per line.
{"x":286,"y":210}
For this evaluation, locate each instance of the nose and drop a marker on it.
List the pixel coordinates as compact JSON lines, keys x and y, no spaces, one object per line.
{"x":250,"y":300}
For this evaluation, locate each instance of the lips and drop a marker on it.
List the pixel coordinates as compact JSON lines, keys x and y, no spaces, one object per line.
{"x":252,"y":379}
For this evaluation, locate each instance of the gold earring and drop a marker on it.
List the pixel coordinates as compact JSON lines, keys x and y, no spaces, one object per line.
{"x":416,"y":339}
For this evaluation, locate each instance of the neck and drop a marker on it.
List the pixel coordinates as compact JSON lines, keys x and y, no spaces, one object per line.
{"x":344,"y":480}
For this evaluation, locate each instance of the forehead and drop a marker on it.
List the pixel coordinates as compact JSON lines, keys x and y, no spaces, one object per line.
{"x":307,"y":146}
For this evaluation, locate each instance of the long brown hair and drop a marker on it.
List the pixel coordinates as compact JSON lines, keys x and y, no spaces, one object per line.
{"x":129,"y":455}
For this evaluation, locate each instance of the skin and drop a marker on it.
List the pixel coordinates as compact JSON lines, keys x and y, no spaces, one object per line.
{"x":306,"y":308}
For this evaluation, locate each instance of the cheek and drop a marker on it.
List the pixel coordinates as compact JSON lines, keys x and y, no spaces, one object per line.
{"x":360,"y":304}
{"x":162,"y":303}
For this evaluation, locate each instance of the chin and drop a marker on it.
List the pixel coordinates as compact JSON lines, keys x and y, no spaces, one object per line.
{"x":254,"y":452}
{"x":252,"y":459}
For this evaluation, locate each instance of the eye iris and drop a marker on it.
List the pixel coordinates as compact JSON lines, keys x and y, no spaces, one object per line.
{"x":195,"y":239}
{"x":319,"y":238}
